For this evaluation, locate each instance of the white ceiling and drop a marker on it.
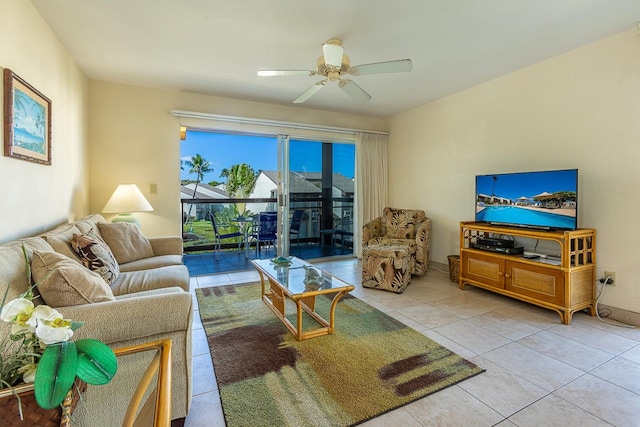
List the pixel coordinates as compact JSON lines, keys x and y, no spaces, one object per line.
{"x":215,"y":47}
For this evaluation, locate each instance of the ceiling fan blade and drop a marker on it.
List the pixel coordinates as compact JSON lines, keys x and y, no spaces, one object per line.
{"x":354,"y":91}
{"x":398,"y":66}
{"x":332,"y":54}
{"x":309,"y":92}
{"x":277,"y":73}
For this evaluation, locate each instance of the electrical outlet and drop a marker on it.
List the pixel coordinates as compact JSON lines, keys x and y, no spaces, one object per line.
{"x":611,"y":274}
{"x":153,"y":188}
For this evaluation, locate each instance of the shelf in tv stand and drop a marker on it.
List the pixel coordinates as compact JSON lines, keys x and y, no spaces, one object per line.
{"x":565,"y":285}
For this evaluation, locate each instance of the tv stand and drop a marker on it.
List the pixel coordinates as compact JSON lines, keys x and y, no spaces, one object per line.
{"x":566,"y":285}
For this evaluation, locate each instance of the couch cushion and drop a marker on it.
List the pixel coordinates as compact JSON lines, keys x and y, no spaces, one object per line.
{"x":126,"y":241}
{"x":96,"y":255}
{"x":60,"y":240}
{"x":13,"y":267}
{"x":157,"y":278}
{"x":409,"y":244}
{"x":151,"y":292}
{"x":401,"y":223}
{"x":62,"y":282}
{"x":153,"y":262}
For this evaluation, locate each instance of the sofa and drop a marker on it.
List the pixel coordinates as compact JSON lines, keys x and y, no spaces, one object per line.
{"x":395,"y":246}
{"x":144,"y":296}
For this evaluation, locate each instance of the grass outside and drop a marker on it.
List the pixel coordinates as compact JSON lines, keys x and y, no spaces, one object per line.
{"x":201,"y":232}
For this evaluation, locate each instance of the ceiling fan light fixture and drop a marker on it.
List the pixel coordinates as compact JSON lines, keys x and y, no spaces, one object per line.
{"x":333,"y":52}
{"x":333,"y":76}
{"x":324,"y":69}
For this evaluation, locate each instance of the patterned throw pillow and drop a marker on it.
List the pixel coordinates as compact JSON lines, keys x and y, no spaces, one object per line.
{"x":96,"y":255}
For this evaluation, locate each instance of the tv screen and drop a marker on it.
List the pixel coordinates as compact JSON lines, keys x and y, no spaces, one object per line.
{"x":544,"y":199}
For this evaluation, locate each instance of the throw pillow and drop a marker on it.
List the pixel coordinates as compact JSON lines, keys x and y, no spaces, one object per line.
{"x":62,"y":282}
{"x":96,"y":255}
{"x":126,"y":241}
{"x":60,"y":239}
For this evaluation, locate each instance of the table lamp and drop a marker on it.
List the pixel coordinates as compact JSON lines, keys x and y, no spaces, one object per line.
{"x":127,"y":199}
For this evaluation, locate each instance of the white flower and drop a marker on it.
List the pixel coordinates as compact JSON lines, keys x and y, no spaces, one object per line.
{"x":54,"y":331}
{"x":44,"y":312}
{"x":28,"y":372}
{"x":15,"y":308}
{"x":25,"y":316}
{"x":46,"y":322}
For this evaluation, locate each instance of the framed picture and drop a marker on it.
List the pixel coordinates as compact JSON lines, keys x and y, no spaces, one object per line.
{"x":27,"y":121}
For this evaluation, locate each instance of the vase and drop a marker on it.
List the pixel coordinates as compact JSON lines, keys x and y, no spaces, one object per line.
{"x":32,"y":413}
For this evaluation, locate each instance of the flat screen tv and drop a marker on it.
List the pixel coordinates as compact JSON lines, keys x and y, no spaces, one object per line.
{"x":545,"y":200}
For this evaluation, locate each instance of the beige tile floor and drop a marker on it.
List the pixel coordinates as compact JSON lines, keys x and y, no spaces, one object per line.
{"x":538,"y":371}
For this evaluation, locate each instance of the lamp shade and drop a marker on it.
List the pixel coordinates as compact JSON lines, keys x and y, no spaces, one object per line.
{"x":126,"y":199}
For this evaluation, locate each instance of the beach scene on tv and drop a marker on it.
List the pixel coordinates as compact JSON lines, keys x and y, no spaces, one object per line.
{"x":536,"y":199}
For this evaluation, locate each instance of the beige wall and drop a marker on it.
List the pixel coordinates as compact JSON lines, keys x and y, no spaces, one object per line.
{"x":33,"y":197}
{"x":135,"y":139}
{"x":578,"y":110}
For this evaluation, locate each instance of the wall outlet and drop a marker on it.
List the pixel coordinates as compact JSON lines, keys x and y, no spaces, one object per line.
{"x":153,"y":189}
{"x":611,"y":274}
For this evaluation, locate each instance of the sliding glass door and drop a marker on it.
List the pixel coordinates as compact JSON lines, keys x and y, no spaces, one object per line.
{"x":318,"y":192}
{"x":234,"y":177}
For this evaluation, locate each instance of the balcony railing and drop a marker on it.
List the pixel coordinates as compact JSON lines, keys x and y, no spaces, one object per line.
{"x":331,"y":221}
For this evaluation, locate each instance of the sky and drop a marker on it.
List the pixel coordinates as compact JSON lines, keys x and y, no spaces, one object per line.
{"x":528,"y":184}
{"x":224,"y":150}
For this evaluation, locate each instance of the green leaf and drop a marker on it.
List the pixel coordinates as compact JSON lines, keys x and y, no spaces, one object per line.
{"x":76,"y":325}
{"x":96,"y":362}
{"x":55,"y":374}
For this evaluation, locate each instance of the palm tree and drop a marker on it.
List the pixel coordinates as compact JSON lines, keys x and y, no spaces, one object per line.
{"x":241,"y":179}
{"x":199,"y":166}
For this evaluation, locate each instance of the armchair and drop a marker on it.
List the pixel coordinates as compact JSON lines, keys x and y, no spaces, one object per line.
{"x":266,"y":229}
{"x":394,"y":247}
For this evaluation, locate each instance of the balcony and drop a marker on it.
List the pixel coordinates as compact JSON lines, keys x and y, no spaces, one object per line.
{"x":325,"y":230}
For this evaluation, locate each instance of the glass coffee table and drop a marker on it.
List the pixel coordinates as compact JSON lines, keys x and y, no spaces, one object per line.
{"x":282,"y":281}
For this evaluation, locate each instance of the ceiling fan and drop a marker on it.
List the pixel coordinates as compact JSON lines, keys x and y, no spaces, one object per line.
{"x":333,"y":65}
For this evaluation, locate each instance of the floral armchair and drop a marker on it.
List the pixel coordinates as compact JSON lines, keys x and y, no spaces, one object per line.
{"x":401,"y":227}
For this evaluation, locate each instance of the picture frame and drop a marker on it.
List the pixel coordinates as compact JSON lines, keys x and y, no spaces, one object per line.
{"x":27,"y":121}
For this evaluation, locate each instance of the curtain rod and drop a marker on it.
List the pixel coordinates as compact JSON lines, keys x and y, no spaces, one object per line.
{"x":267,"y":122}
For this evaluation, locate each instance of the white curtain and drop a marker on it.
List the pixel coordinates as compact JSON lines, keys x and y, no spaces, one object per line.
{"x":371,"y":181}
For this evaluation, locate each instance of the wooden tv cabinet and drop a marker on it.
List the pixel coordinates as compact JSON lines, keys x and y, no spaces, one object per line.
{"x":565,"y":284}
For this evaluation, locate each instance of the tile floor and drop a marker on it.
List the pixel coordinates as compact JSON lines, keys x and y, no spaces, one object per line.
{"x":538,"y":371}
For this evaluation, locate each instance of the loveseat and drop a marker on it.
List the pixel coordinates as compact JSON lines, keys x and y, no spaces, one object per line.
{"x":148,"y":299}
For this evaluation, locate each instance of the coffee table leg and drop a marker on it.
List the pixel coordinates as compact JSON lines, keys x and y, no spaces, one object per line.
{"x":262,"y":282}
{"x":309,"y":302}
{"x":299,"y":310}
{"x":332,"y":312}
{"x":275,"y":295}
{"x":277,"y":298}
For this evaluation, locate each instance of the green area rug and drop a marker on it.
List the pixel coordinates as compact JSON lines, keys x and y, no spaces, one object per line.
{"x":370,"y":365}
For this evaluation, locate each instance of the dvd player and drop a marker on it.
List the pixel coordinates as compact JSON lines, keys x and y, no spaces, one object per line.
{"x":516,"y":250}
{"x":507,"y":243}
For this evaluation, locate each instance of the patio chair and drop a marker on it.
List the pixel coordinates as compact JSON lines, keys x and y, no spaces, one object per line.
{"x":217,"y":246}
{"x":296,"y":221}
{"x":266,"y":229}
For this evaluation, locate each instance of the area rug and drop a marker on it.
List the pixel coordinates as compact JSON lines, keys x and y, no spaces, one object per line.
{"x":370,"y":365}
